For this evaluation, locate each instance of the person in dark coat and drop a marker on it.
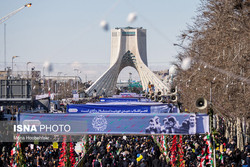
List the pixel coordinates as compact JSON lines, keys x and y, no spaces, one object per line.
{"x":87,"y":164}
{"x":156,"y":162}
{"x":97,"y":163}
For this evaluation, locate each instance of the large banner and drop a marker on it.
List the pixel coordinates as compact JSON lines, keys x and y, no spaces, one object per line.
{"x":118,"y":99}
{"x":126,"y":95}
{"x":104,"y":123}
{"x":122,"y":108}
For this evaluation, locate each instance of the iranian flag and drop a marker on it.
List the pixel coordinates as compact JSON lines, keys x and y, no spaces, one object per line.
{"x":13,"y":151}
{"x":108,"y":146}
{"x":164,"y":145}
{"x":221,"y":159}
{"x":206,"y":152}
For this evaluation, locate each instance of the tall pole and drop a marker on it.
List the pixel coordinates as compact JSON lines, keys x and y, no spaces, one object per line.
{"x":77,"y":81}
{"x":43,"y":81}
{"x":210,"y":103}
{"x":12,"y":64}
{"x":13,"y":57}
{"x":27,"y":69}
{"x":65,"y":85}
{"x":211,"y":122}
{"x":77,"y":70}
{"x":3,"y":19}
{"x":4,"y":47}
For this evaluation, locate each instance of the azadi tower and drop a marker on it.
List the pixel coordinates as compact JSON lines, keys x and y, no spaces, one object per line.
{"x":128,"y":48}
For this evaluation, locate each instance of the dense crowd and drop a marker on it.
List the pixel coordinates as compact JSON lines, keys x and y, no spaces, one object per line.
{"x":133,"y":151}
{"x":226,"y":152}
{"x":126,"y":152}
{"x":33,"y":155}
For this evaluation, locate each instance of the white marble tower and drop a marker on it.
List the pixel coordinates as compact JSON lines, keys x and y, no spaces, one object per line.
{"x":128,"y":48}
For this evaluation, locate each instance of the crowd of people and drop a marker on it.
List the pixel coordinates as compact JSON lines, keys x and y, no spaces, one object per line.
{"x":137,"y":151}
{"x":124,"y":151}
{"x":33,"y":155}
{"x":226,"y":153}
{"x":133,"y":151}
{"x":143,"y":151}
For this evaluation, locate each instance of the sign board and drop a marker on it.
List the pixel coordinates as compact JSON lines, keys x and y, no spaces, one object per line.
{"x":106,"y":123}
{"x":122,"y":108}
{"x":75,"y":97}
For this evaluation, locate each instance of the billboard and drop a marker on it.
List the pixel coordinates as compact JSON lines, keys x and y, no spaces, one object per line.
{"x":125,"y":107}
{"x":118,"y":99}
{"x":137,"y":124}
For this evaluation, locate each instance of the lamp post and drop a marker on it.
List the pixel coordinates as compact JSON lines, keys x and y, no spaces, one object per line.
{"x":65,"y":85}
{"x":77,"y":70}
{"x":13,"y":57}
{"x":27,"y":69}
{"x":57,"y":81}
{"x":58,"y":75}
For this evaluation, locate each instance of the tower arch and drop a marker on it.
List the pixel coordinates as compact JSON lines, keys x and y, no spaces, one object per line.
{"x":128,"y":48}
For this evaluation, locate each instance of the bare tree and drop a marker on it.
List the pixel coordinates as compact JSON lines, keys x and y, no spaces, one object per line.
{"x":219,"y":46}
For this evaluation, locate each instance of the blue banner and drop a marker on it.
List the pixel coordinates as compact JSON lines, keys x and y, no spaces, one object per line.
{"x":113,"y":124}
{"x":122,"y":108}
{"x":118,"y":99}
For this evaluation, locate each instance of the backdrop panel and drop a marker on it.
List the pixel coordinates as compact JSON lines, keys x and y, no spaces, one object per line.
{"x":122,"y":107}
{"x":116,"y":123}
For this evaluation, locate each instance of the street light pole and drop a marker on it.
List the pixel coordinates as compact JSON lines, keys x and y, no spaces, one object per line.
{"x":211,"y":115}
{"x":27,"y":69}
{"x":65,"y":85}
{"x":5,"y":47}
{"x":13,"y":57}
{"x":3,"y":19}
{"x":77,"y":70}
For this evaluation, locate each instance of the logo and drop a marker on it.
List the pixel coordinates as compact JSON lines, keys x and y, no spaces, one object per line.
{"x":73,"y":110}
{"x":99,"y":123}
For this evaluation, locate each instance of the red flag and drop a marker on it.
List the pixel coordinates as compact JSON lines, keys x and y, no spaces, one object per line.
{"x":181,"y":152}
{"x":72,"y":156}
{"x":62,"y":158}
{"x":173,"y":151}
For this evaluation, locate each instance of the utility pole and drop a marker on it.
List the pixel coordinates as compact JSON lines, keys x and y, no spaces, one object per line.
{"x":27,"y":69}
{"x":77,"y":70}
{"x":13,"y":57}
{"x":211,"y":115}
{"x":4,"y":47}
{"x":3,"y":19}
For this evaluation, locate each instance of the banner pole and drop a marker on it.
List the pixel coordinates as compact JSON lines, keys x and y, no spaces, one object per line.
{"x":214,"y":153}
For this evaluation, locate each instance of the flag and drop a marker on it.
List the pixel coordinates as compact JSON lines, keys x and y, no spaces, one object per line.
{"x":221,"y":159}
{"x":13,"y":151}
{"x":72,"y":156}
{"x":108,"y":147}
{"x":181,"y":152}
{"x":164,"y":144}
{"x":116,"y":143}
{"x":173,"y":151}
{"x":62,"y":158}
{"x":206,"y":152}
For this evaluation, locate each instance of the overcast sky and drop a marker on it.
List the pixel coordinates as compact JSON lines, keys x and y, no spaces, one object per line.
{"x":67,"y":33}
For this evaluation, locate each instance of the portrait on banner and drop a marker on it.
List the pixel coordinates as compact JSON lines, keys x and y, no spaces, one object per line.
{"x":171,"y":125}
